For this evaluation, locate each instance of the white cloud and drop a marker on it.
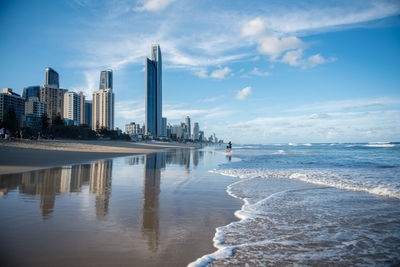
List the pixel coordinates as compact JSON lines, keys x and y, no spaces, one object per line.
{"x":244,"y":93}
{"x":316,"y":60}
{"x":257,"y":72}
{"x":352,"y":126}
{"x":253,"y":27}
{"x":273,"y":46}
{"x":220,"y":73}
{"x":295,"y":58}
{"x":153,"y":5}
{"x":201,"y":74}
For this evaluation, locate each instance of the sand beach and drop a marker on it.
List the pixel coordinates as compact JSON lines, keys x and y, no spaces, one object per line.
{"x":26,"y":155}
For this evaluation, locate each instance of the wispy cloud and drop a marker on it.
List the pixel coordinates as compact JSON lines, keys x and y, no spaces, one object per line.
{"x":244,"y":93}
{"x":347,"y":105}
{"x":257,"y":72}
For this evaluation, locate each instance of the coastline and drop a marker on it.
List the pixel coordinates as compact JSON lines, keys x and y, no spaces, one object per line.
{"x":27,"y":155}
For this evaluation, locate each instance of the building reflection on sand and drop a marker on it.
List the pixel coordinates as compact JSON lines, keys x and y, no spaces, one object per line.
{"x":97,"y":176}
{"x":51,"y":182}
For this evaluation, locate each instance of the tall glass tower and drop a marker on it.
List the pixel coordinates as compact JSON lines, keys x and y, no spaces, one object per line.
{"x":106,"y":79}
{"x":154,"y":92}
{"x":51,"y":78}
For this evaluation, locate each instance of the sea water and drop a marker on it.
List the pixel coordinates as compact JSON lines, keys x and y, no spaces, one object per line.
{"x":312,"y":204}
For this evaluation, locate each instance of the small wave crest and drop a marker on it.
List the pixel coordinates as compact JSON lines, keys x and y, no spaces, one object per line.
{"x":347,"y":179}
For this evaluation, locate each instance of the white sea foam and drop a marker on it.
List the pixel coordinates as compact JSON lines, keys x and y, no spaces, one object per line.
{"x":294,"y":215}
{"x":347,"y":179}
{"x":380,"y":145}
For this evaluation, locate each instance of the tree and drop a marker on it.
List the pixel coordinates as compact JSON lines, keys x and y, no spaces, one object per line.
{"x":57,"y":120}
{"x":44,"y":121}
{"x":10,"y":120}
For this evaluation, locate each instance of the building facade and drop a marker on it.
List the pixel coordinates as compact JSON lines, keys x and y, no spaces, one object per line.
{"x":73,"y":108}
{"x":196,"y":130}
{"x":31,"y":91}
{"x":52,"y":78}
{"x":153,"y":94}
{"x":11,"y":100}
{"x":88,"y":113}
{"x":54,"y":99}
{"x":188,"y":129}
{"x":106,"y":80}
{"x":103,"y":109}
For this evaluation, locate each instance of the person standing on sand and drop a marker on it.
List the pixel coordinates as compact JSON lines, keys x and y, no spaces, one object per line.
{"x":7,"y":135}
{"x":2,"y":132}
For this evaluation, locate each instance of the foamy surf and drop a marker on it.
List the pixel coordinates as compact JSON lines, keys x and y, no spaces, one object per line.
{"x":312,"y":206}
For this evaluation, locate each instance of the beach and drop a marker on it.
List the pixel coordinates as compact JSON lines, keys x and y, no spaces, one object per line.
{"x":26,"y":155}
{"x":151,"y":209}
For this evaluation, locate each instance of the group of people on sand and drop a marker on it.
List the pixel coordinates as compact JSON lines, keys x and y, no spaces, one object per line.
{"x":5,"y":134}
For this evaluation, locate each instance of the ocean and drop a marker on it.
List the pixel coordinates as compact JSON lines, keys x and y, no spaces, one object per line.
{"x":311,"y":205}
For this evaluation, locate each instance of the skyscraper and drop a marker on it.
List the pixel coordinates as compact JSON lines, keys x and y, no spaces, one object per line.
{"x":106,"y":79}
{"x":154,"y":92}
{"x":73,"y":107}
{"x":188,"y":130}
{"x":103,"y":103}
{"x":196,"y":130}
{"x":51,"y":78}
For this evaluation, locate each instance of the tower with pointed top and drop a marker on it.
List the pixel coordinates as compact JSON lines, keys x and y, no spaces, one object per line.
{"x":154,"y":92}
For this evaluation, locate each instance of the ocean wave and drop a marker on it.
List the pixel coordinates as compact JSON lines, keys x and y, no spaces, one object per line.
{"x":283,"y":221}
{"x":380,"y":145}
{"x":347,"y":179}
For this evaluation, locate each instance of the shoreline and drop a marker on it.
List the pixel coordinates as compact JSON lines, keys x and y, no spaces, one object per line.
{"x":27,"y":155}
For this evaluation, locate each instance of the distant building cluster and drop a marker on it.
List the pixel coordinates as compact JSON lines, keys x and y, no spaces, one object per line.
{"x":99,"y":113}
{"x":54,"y":101}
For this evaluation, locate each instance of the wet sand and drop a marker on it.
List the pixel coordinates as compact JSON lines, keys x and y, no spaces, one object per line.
{"x":157,"y":209}
{"x":19,"y":156}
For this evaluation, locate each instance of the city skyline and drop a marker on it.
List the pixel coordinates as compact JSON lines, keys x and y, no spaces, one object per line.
{"x":268,"y":73}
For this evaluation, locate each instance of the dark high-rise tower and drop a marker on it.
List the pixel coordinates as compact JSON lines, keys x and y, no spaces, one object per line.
{"x":154,"y":92}
{"x":106,"y":79}
{"x":51,"y":78}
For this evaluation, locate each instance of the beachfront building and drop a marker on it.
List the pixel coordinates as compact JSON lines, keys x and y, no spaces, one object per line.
{"x":103,"y":109}
{"x":52,"y":78}
{"x":196,"y":128}
{"x":54,"y":99}
{"x":103,"y":103}
{"x":88,"y":113}
{"x":11,"y":100}
{"x":31,"y":91}
{"x":52,"y":95}
{"x":73,"y":108}
{"x":34,"y":109}
{"x":153,"y":103}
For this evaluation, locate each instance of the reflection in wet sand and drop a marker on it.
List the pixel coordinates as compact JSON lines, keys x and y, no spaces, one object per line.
{"x":151,"y":189}
{"x":100,"y":184}
{"x":50,"y":182}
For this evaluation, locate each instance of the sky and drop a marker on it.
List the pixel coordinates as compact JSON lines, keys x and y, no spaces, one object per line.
{"x":249,"y":71}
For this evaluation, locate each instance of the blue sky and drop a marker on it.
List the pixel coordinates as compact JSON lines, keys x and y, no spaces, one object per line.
{"x":252,"y":72}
